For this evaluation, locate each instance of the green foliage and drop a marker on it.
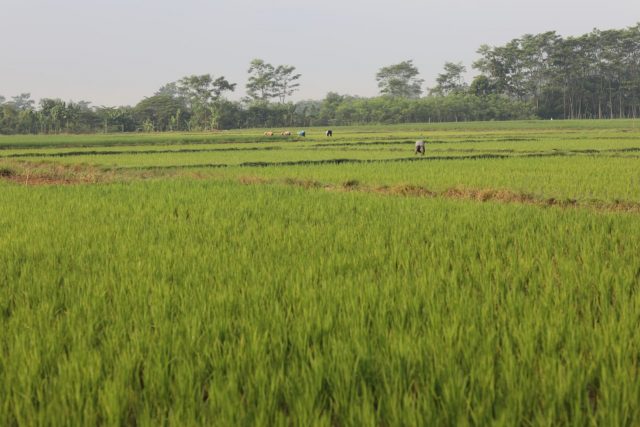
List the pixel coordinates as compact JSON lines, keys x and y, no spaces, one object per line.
{"x":451,"y":80}
{"x":121,"y":119}
{"x":285,"y":81}
{"x":22,"y":102}
{"x":266,"y":81}
{"x":482,"y":86}
{"x":335,"y":293}
{"x":451,"y":108}
{"x":260,"y":85}
{"x":201,"y":95}
{"x":400,"y":80}
{"x":595,"y":75}
{"x":205,"y":303}
{"x":53,"y":116}
{"x":170,"y":112}
{"x":161,"y":113}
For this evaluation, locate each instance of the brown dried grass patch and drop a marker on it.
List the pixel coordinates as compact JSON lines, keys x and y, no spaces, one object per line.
{"x":407,"y":190}
{"x":252,"y":180}
{"x":33,"y":173}
{"x":488,"y":194}
{"x":305,"y":183}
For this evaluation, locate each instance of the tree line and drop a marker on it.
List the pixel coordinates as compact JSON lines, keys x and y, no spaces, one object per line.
{"x":596,"y":75}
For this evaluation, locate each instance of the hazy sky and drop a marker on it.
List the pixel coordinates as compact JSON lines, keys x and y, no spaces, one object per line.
{"x":115,"y":52}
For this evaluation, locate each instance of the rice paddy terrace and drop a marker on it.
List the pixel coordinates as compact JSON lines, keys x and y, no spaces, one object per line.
{"x":236,"y":278}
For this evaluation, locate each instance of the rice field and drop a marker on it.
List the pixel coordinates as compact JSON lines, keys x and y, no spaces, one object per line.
{"x":237,"y":279}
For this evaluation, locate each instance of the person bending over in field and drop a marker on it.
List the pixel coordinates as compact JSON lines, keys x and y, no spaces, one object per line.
{"x":420,"y":147}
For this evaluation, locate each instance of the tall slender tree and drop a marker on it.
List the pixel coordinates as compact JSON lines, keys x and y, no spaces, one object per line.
{"x":261,"y":82}
{"x":285,"y":81}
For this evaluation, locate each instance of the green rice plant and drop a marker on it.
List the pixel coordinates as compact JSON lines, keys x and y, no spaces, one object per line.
{"x":205,"y":302}
{"x":239,"y":279}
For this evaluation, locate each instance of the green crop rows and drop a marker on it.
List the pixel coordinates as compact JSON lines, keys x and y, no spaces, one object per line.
{"x":237,"y":279}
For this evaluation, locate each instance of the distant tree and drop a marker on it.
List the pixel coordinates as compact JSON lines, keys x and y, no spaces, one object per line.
{"x":451,"y":80}
{"x":329,"y":106}
{"x":221,"y":85}
{"x":87,"y":120}
{"x":8,"y":119}
{"x":261,"y":83}
{"x":200,"y":90}
{"x":170,"y":89}
{"x":162,"y":112}
{"x":266,"y":81}
{"x":107,"y":115}
{"x":23,"y":102}
{"x":400,"y":80}
{"x":226,"y":114}
{"x":148,"y":126}
{"x":482,"y":86}
{"x":27,"y":122}
{"x":201,"y":94}
{"x":285,"y":81}
{"x":120,"y":119}
{"x":307,"y":112}
{"x":2,"y":99}
{"x":51,"y":112}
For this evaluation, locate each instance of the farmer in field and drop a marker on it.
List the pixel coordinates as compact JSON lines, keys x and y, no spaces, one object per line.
{"x":420,"y":147}
{"x":329,"y":132}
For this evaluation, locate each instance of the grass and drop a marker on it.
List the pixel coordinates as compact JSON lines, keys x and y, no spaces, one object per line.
{"x":580,"y":178}
{"x":323,"y":294}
